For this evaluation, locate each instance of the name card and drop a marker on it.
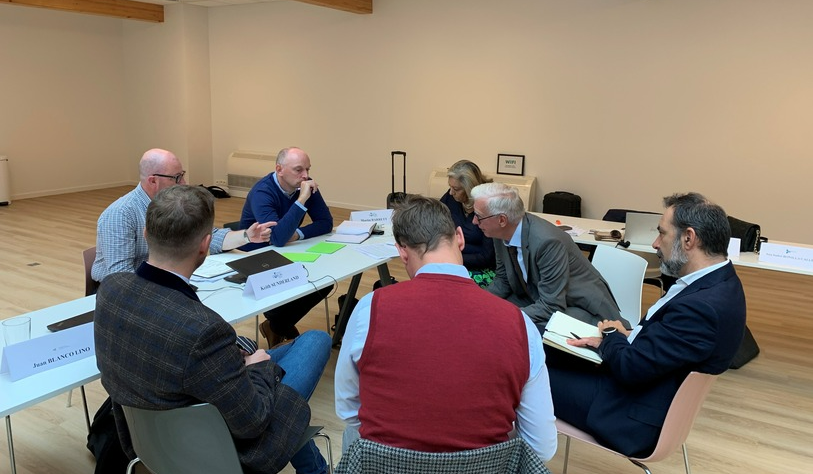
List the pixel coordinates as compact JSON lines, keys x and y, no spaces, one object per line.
{"x":383,"y":216}
{"x":734,"y":248}
{"x":48,"y":352}
{"x":276,"y":280}
{"x":790,"y":255}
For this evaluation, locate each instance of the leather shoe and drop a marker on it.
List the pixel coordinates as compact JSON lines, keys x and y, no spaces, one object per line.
{"x":270,"y":336}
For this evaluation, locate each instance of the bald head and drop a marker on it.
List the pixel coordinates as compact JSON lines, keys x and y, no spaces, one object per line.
{"x":157,"y":170}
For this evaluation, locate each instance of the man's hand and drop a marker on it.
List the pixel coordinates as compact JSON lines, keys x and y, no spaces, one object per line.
{"x":306,"y":189}
{"x":259,"y":356}
{"x":613,"y":324}
{"x":585,"y":342}
{"x":258,"y":233}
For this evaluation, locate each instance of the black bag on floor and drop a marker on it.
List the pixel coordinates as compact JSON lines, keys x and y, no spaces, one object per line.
{"x":747,"y":351}
{"x":103,"y":441}
{"x":562,"y":203}
{"x":394,"y":198}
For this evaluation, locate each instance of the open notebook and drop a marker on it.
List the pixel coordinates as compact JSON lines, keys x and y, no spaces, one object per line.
{"x":562,"y":327}
{"x":352,"y":232}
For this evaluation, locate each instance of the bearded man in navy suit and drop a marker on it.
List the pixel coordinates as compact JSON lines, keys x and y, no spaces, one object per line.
{"x":697,"y":326}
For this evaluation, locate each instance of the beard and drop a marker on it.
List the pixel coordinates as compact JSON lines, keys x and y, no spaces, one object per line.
{"x":675,"y":263}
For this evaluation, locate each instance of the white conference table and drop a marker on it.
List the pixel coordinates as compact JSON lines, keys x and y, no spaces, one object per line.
{"x":746,"y":259}
{"x":224,"y":298}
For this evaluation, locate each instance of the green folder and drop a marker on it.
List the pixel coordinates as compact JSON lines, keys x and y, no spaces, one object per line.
{"x":300,"y":256}
{"x":325,"y":247}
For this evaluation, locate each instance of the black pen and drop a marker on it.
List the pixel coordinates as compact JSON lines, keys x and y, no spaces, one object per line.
{"x":575,"y":335}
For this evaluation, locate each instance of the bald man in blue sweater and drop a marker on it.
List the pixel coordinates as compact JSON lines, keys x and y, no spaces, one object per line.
{"x":285,"y":197}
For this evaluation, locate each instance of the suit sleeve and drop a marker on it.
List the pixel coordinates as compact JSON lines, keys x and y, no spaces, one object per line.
{"x":215,"y":372}
{"x":685,"y":335}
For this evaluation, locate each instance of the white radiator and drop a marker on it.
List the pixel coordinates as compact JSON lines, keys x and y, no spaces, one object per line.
{"x":526,"y":185}
{"x":245,"y":168}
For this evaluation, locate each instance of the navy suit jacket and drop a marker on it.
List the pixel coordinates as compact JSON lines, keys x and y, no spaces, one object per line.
{"x":560,"y":278}
{"x":700,"y":329}
{"x":158,"y":347}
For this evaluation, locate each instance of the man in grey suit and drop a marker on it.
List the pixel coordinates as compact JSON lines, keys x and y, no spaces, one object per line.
{"x":158,"y":347}
{"x":539,"y":267}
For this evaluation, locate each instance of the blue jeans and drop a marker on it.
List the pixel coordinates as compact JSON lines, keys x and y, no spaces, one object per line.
{"x":303,"y":361}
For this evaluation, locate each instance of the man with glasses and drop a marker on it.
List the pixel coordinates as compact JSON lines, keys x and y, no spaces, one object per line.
{"x":539,"y":267}
{"x":120,"y":242}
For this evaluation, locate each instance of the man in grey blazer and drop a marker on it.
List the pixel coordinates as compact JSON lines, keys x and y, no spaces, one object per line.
{"x":550,"y":272}
{"x":158,"y":347}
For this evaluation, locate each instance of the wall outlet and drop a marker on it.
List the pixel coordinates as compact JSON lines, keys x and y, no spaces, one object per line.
{"x":221,"y":182}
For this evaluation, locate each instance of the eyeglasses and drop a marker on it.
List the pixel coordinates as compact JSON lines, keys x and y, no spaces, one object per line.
{"x":177,"y":177}
{"x":481,"y":219}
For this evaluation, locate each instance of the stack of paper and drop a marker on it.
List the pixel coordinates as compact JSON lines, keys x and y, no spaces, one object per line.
{"x":352,"y":232}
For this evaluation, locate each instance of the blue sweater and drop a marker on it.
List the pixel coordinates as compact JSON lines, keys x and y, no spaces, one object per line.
{"x":268,"y":202}
{"x":479,"y":251}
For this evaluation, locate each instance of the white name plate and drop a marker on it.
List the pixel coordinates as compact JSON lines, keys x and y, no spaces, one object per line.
{"x":383,"y":216}
{"x":48,"y":352}
{"x":801,"y":257}
{"x":276,"y":280}
{"x":734,"y":247}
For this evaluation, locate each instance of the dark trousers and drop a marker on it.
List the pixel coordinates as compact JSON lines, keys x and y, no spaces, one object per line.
{"x":283,"y":318}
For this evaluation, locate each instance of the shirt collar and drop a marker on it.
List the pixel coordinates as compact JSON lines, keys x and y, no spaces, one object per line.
{"x":276,"y":181}
{"x":516,"y":238}
{"x":694,"y":276}
{"x":444,"y":268}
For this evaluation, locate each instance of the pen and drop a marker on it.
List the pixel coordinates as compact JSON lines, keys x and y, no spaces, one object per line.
{"x":575,"y":335}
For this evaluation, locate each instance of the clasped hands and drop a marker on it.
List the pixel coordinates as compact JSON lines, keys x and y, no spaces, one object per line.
{"x":596,"y":341}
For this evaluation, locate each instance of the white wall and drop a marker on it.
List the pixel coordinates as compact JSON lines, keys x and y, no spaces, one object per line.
{"x":61,"y":101}
{"x":619,"y":101}
{"x":167,"y":79}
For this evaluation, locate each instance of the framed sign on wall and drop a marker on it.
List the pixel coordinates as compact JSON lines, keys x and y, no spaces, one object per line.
{"x":511,"y":164}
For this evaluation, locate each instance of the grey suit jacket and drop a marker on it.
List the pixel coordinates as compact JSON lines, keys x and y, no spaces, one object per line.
{"x":158,"y":347}
{"x":560,"y":278}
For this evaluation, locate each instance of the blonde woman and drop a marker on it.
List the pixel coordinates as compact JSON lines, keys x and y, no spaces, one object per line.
{"x":478,"y":255}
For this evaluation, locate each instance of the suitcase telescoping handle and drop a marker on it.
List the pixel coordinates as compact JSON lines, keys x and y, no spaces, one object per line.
{"x":393,"y":155}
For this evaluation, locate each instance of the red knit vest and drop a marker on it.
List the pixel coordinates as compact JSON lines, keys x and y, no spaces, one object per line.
{"x":443,"y":366}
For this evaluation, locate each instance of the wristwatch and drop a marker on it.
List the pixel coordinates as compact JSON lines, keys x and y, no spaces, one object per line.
{"x":245,"y":236}
{"x":607,"y":331}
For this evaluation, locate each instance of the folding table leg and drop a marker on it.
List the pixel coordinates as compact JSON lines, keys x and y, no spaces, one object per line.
{"x":10,"y":445}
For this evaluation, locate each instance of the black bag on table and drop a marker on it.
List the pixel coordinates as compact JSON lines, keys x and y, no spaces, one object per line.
{"x":562,"y":203}
{"x":748,"y":233}
{"x":394,"y":198}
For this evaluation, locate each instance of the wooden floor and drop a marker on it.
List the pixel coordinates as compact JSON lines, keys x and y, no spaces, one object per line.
{"x":758,"y":419}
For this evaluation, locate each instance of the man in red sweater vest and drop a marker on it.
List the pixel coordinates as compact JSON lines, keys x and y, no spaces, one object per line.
{"x":435,"y":363}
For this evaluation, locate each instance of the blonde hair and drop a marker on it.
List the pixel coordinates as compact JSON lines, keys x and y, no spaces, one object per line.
{"x":468,"y":174}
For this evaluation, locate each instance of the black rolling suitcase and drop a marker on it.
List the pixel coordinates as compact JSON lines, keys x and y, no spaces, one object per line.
{"x":562,"y":203}
{"x":394,"y":198}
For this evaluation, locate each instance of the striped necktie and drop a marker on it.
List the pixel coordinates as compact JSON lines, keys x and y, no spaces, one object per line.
{"x":512,"y":251}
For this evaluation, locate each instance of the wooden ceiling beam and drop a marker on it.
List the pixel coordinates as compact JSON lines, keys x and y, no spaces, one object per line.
{"x":352,"y":6}
{"x":116,"y":8}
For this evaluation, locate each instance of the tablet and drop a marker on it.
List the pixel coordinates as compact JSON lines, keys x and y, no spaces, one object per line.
{"x":83,"y":318}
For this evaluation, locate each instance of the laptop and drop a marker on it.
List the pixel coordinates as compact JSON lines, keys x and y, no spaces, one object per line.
{"x":256,"y":263}
{"x":74,"y":321}
{"x":641,"y":228}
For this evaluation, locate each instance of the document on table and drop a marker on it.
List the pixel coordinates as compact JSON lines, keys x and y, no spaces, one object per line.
{"x":352,"y":232}
{"x":562,"y":327}
{"x":378,"y":251}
